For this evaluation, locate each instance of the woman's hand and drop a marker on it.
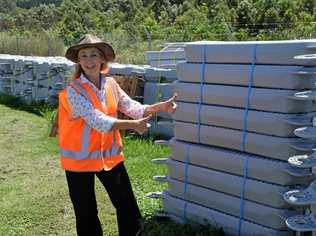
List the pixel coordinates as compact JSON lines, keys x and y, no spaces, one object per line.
{"x":169,"y":105}
{"x":141,"y":125}
{"x":166,"y":106}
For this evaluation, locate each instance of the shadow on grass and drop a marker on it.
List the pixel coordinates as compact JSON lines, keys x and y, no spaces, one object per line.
{"x":38,"y":108}
{"x":157,"y":226}
{"x":131,"y":134}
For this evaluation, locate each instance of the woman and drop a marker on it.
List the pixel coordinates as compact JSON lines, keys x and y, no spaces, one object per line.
{"x":89,"y":137}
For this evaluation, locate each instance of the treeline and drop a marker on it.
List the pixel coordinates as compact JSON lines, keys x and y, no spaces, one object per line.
{"x":166,"y":20}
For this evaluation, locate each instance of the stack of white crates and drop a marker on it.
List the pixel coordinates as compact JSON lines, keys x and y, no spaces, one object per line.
{"x":34,"y":78}
{"x":6,"y":75}
{"x":168,"y":57}
{"x":159,"y":87}
{"x":159,"y":83}
{"x":156,"y":86}
{"x":42,"y":78}
{"x":239,"y":104}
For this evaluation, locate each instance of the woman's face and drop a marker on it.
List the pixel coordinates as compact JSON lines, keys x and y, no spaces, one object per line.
{"x":90,"y":60}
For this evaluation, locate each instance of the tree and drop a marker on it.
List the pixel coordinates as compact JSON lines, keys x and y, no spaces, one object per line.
{"x":7,"y":6}
{"x":79,"y":18}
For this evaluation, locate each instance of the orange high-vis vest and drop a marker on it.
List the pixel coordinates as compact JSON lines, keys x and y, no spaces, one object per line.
{"x":83,"y":148}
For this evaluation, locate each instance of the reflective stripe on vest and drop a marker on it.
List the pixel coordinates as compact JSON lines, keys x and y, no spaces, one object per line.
{"x":84,"y":154}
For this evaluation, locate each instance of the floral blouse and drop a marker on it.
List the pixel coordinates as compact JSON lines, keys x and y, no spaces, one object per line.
{"x":95,"y":118}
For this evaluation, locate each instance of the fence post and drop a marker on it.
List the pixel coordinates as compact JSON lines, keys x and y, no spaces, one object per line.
{"x":148,"y":37}
{"x":17,"y":44}
{"x":49,"y":45}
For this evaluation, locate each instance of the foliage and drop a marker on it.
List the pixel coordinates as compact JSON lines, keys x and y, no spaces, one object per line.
{"x":137,"y":21}
{"x":31,"y":43}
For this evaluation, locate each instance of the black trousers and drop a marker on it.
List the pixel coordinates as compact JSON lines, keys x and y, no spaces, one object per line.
{"x":117,"y":184}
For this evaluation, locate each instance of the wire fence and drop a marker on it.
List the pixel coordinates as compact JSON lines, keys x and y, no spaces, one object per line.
{"x":48,"y":44}
{"x":40,"y":44}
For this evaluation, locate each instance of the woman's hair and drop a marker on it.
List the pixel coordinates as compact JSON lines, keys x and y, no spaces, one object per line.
{"x":78,"y":70}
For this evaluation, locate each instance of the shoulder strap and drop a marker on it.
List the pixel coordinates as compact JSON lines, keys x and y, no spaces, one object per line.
{"x":78,"y":88}
{"x":76,"y":85}
{"x":114,"y":87}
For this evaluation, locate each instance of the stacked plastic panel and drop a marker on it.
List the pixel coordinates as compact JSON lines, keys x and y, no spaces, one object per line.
{"x":6,"y":75}
{"x":156,"y":86}
{"x":168,"y":57}
{"x":159,"y":84}
{"x":35,"y":78}
{"x":41,"y":79}
{"x":240,"y":107}
{"x":159,"y":87}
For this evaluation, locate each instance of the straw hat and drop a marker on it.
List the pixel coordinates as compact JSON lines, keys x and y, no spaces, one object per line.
{"x":89,"y":40}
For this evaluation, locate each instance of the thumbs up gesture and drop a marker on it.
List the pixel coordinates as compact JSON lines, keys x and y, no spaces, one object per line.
{"x":170,"y":104}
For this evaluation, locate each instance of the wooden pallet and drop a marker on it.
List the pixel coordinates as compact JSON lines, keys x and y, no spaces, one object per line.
{"x":129,"y":85}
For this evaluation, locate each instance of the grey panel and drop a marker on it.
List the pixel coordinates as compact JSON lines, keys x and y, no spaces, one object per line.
{"x":125,"y":69}
{"x":36,"y":78}
{"x":6,"y":84}
{"x":164,"y":55}
{"x":260,"y":99}
{"x":155,"y":92}
{"x":277,"y":124}
{"x":175,"y":207}
{"x":228,"y":161}
{"x":269,"y":76}
{"x":269,"y":146}
{"x":5,"y":68}
{"x":267,"y":52}
{"x":165,"y":63}
{"x":160,"y":74}
{"x":254,"y":212}
{"x":163,"y":128}
{"x":256,"y":191}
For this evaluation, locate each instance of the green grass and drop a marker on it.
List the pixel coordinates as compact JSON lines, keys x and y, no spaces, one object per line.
{"x":33,"y":192}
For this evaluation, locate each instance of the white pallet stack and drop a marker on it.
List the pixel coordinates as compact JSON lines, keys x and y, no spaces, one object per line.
{"x":241,"y":109}
{"x":162,"y":123}
{"x":168,"y":57}
{"x":41,"y":79}
{"x":36,"y":78}
{"x":159,"y":83}
{"x":6,"y":75}
{"x":157,"y":87}
{"x":153,"y":90}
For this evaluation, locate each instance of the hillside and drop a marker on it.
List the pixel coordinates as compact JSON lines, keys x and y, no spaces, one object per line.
{"x":126,"y":23}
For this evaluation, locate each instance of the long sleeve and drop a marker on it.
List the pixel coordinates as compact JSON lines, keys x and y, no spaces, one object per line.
{"x":129,"y":106}
{"x":93,"y":117}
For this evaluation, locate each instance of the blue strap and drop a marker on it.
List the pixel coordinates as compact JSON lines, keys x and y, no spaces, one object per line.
{"x":186,"y":170}
{"x":187,"y":152}
{"x":244,"y":138}
{"x":202,"y":82}
{"x":158,"y":96}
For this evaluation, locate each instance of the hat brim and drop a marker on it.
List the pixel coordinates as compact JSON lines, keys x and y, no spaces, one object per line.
{"x":108,"y":52}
